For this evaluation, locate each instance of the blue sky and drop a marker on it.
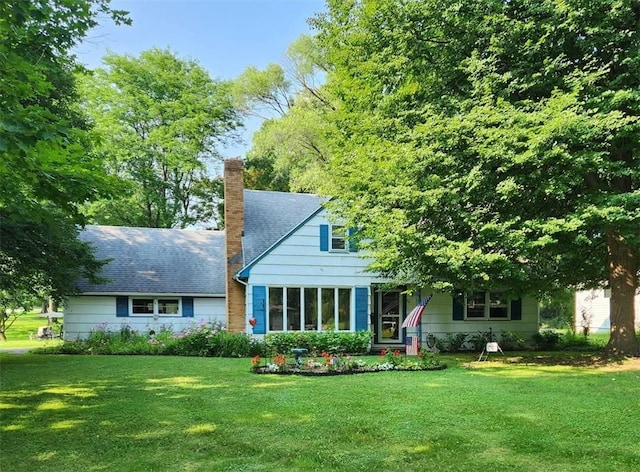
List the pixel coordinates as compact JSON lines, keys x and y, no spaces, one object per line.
{"x":224,"y":36}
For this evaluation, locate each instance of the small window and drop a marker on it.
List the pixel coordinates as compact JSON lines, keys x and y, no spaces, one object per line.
{"x":142,"y":306}
{"x":475,"y":305}
{"x":498,"y":307}
{"x":338,"y":238}
{"x":155,"y":306}
{"x":487,"y":305}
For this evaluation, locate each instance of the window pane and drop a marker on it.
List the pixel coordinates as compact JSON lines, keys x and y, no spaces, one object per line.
{"x":344,"y":308}
{"x":311,"y":308}
{"x":293,"y":308}
{"x":328,"y":309}
{"x":143,"y":306}
{"x":275,"y":309}
{"x":390,"y":302}
{"x":338,"y":238}
{"x":168,"y":306}
{"x":498,"y":305}
{"x":475,"y":305}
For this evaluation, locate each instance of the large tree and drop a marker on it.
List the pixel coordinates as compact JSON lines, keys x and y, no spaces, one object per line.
{"x":487,"y":144}
{"x":289,"y":152}
{"x":159,"y":119}
{"x":46,"y":171}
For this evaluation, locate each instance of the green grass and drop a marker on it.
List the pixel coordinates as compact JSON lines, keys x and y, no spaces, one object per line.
{"x":23,"y":332}
{"x":134,"y":413}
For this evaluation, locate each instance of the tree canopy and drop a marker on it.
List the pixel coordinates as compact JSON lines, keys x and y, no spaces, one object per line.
{"x":290,"y":150}
{"x":46,"y":171}
{"x":159,"y":119}
{"x":491,"y":144}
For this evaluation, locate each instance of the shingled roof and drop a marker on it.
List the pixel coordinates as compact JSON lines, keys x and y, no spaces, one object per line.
{"x":157,"y":261}
{"x":269,"y":216}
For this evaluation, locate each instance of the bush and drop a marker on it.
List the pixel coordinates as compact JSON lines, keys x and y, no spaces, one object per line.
{"x":511,"y":341}
{"x":546,"y":340}
{"x":454,"y":342}
{"x":316,"y":343}
{"x":204,"y":339}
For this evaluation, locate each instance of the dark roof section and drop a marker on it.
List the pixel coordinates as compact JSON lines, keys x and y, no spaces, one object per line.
{"x":157,"y":261}
{"x":268,"y":216}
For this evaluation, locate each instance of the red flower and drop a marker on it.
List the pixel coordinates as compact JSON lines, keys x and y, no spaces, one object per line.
{"x":383,"y":352}
{"x":396,"y":353}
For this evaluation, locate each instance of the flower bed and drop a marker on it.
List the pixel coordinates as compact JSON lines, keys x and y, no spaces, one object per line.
{"x":332,"y":364}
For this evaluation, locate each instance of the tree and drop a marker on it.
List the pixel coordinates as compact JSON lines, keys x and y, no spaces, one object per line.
{"x":289,"y":152}
{"x":487,"y":144}
{"x":159,"y":119}
{"x":46,"y":172}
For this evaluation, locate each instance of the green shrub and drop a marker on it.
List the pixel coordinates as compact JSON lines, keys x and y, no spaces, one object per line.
{"x":511,"y":341}
{"x":546,"y":340}
{"x":204,"y":339}
{"x":331,"y":342}
{"x":454,"y":342}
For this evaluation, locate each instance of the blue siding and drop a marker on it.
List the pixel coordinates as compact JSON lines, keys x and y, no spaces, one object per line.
{"x":324,"y":237}
{"x":260,"y":309}
{"x":362,"y":305}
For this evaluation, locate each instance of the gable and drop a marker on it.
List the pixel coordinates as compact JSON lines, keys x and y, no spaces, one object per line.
{"x":270,"y":216}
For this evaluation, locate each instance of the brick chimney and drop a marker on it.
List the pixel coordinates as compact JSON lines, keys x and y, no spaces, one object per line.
{"x":234,"y":230}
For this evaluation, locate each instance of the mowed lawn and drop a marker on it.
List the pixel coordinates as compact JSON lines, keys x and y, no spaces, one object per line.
{"x":111,"y":413}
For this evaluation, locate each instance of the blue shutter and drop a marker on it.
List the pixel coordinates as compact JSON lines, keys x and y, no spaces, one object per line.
{"x":260,"y":309}
{"x":353,"y":240}
{"x":122,"y":306}
{"x":187,"y":307}
{"x":458,"y":306}
{"x":324,"y":237}
{"x":516,"y":309}
{"x":362,"y":305}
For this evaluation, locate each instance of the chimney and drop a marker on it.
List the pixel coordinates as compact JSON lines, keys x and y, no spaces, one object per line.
{"x":234,"y":229}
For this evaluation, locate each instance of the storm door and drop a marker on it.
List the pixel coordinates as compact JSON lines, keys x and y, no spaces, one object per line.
{"x":389,"y":317}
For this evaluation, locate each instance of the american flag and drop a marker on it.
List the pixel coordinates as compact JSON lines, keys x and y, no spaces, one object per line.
{"x":411,"y":345}
{"x":413,"y":320}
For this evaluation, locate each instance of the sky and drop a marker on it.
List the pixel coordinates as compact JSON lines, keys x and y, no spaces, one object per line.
{"x":223,"y":36}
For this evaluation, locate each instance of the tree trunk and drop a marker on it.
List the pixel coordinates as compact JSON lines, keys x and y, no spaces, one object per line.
{"x":623,"y":270}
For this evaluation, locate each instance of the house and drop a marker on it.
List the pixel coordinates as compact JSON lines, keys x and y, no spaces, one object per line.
{"x":591,"y":311}
{"x":282,"y":264}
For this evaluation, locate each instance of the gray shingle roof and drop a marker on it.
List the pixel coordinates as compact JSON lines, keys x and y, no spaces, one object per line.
{"x":268,"y":216}
{"x":157,"y":261}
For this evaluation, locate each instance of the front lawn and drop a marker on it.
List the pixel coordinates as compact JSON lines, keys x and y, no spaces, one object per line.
{"x":134,"y":413}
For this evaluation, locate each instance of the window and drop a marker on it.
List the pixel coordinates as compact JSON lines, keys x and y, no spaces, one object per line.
{"x":338,"y":238}
{"x":155,"y":306}
{"x":309,"y":309}
{"x":487,"y":305}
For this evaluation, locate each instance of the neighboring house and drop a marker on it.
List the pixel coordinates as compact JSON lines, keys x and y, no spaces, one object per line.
{"x":592,"y":311}
{"x":282,"y":262}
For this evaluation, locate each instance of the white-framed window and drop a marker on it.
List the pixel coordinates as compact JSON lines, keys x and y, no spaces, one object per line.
{"x":339,"y":242}
{"x":487,"y":306}
{"x":161,"y":306}
{"x":309,"y":309}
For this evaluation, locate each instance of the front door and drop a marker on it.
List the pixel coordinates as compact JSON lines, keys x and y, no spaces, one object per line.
{"x":389,"y":317}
